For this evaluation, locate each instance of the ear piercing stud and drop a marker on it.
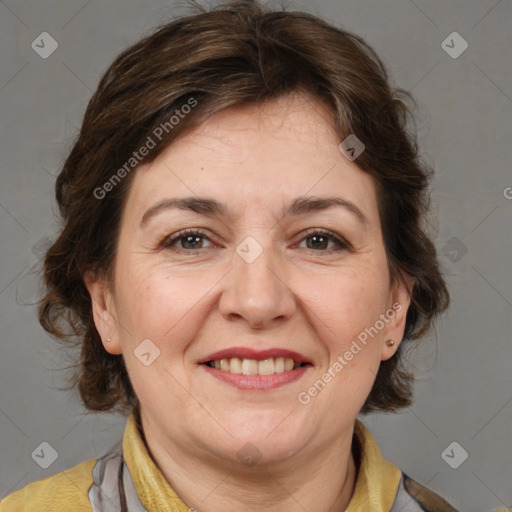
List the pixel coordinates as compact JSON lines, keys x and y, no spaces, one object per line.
{"x":390,"y":343}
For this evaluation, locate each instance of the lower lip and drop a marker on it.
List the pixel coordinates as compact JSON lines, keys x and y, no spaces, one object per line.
{"x":241,"y":381}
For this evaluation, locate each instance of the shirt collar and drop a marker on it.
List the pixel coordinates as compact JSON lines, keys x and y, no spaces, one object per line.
{"x":377,"y":479}
{"x":375,"y":489}
{"x":154,"y":491}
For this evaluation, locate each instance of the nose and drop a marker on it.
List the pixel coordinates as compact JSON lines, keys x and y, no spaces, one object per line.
{"x":257,"y":291}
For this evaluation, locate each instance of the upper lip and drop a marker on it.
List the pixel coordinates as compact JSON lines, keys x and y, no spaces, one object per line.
{"x":258,"y":355}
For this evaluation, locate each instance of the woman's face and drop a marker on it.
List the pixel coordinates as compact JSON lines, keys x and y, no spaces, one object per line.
{"x":270,"y":271}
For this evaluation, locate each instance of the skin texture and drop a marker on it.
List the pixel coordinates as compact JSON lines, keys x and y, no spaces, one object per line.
{"x":296,"y":295}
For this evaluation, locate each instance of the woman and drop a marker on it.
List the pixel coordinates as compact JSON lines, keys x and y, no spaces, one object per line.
{"x":243,"y":262}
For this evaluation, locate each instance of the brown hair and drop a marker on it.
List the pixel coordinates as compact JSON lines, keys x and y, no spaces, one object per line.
{"x":236,"y":53}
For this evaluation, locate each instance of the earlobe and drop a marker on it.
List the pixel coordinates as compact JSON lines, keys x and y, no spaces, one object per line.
{"x":400,"y":301}
{"x":103,"y":312}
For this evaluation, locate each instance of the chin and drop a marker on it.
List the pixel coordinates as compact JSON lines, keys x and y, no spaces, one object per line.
{"x":260,"y":453}
{"x":273,"y":434}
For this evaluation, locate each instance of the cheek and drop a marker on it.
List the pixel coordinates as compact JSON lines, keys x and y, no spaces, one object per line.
{"x":353,"y":354}
{"x":159,"y":305}
{"x":351,"y":306}
{"x":353,"y":300}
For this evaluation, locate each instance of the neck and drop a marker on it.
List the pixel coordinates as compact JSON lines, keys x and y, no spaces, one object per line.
{"x":323,"y":481}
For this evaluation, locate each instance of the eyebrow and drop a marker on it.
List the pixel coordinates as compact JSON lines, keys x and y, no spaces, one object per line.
{"x":212,"y":208}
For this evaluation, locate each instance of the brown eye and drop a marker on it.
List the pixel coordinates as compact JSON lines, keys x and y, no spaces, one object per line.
{"x":190,"y":240}
{"x":318,"y":240}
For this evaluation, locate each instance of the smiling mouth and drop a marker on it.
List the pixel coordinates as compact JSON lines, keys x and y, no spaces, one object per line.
{"x":256,"y":367}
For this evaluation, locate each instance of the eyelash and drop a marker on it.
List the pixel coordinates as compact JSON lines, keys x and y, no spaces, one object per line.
{"x":169,"y":242}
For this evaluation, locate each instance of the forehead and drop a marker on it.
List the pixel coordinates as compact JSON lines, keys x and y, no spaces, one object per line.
{"x":254,"y":157}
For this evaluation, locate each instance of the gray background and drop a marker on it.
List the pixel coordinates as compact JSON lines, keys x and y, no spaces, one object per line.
{"x":464,"y":390}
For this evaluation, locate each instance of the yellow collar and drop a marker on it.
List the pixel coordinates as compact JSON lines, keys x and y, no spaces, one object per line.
{"x":154,"y":491}
{"x":375,"y":490}
{"x":377,"y":479}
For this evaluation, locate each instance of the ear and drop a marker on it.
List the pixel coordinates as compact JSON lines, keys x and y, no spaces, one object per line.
{"x":399,"y":302}
{"x":103,"y":311}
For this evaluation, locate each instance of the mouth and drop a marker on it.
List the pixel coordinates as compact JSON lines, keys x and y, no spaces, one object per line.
{"x":247,"y":368}
{"x":256,"y":367}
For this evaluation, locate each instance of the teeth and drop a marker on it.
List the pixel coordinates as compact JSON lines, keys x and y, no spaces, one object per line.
{"x":253,"y":367}
{"x":266,"y":367}
{"x":249,"y":366}
{"x":235,"y":365}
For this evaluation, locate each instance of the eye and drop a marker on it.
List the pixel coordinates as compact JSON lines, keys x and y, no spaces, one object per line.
{"x":320,"y":240}
{"x":190,"y":240}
